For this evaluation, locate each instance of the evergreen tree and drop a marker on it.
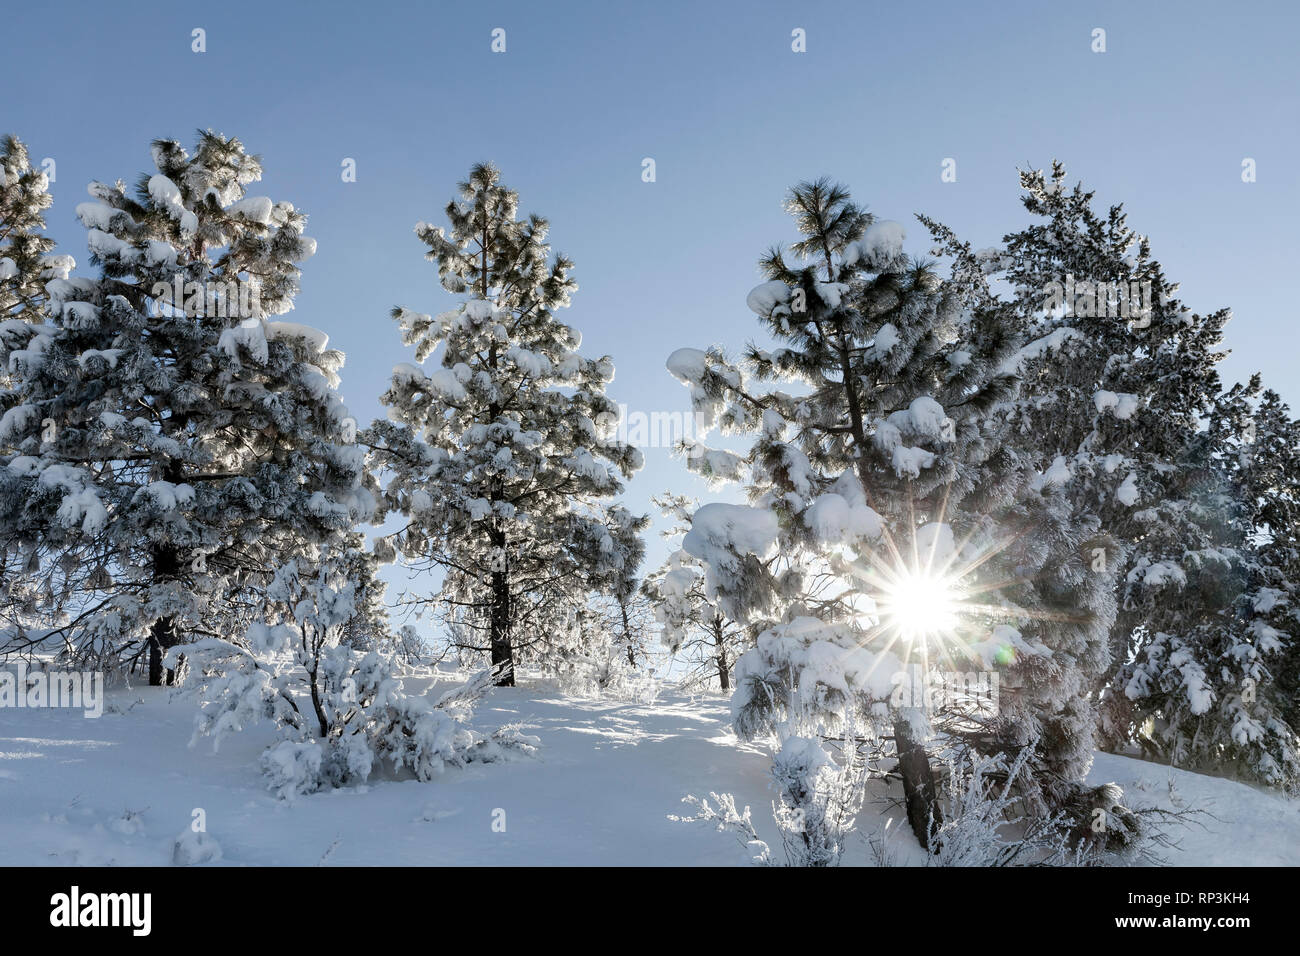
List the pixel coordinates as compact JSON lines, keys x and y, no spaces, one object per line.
{"x":693,"y":625}
{"x":369,"y":628}
{"x":626,"y":610}
{"x":1122,"y":380}
{"x":1200,"y":691}
{"x":1270,"y":483}
{"x":501,"y":459}
{"x":892,"y":524}
{"x":633,"y":617}
{"x":174,"y":447}
{"x":25,"y":260}
{"x":1126,"y":375}
{"x":25,"y":265}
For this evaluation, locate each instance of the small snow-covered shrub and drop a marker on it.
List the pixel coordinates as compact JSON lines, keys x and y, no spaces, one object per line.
{"x":982,"y":825}
{"x":986,"y":821}
{"x":195,"y":847}
{"x":340,"y":712}
{"x":725,"y":818}
{"x":606,"y":673}
{"x":815,"y":809}
{"x":818,"y":800}
{"x":820,"y":781}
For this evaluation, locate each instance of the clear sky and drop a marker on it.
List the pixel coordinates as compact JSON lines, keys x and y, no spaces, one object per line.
{"x":731,"y":115}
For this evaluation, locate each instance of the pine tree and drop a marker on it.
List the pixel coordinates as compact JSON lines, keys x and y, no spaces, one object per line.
{"x":892,"y":524}
{"x":633,"y":617}
{"x":25,"y":265}
{"x":1126,"y":374}
{"x":625,"y":608}
{"x":1271,"y":485}
{"x":1122,"y":379}
{"x":25,"y":260}
{"x":693,"y":625}
{"x":501,"y":459}
{"x":174,"y":447}
{"x":369,"y":628}
{"x":1200,"y":690}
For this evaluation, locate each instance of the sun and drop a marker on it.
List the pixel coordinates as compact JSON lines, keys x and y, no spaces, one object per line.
{"x":933,"y":599}
{"x":921,"y":605}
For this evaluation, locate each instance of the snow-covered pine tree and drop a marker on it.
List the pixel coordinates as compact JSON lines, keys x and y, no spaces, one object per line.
{"x":1125,"y":376}
{"x":25,"y":260}
{"x":601,"y":646}
{"x":623,"y":605}
{"x":632,"y":615}
{"x":174,"y":447}
{"x":25,"y":265}
{"x":369,"y":628}
{"x":1271,"y":486}
{"x":502,"y":459}
{"x":693,"y":625}
{"x":617,"y":645}
{"x":1200,"y":690}
{"x":1120,"y":377}
{"x":631,"y":611}
{"x":891,"y":524}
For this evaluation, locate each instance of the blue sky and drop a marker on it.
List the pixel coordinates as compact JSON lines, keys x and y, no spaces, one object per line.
{"x":714,"y":94}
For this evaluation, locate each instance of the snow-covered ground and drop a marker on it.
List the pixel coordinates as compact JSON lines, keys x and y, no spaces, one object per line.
{"x":118,"y":790}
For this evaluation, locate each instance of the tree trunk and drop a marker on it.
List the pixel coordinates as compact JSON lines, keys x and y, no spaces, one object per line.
{"x":316,"y":703}
{"x":627,"y":635}
{"x":918,"y":782}
{"x":164,"y":634}
{"x":720,"y":655}
{"x":503,"y":657}
{"x":162,"y":637}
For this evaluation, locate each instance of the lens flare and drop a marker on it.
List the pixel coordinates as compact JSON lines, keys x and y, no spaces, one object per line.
{"x":921,"y":605}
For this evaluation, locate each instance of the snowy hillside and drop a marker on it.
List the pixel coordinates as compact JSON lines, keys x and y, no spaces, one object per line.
{"x":120,"y":789}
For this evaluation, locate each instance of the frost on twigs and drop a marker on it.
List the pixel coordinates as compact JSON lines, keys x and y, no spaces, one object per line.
{"x":983,"y":825}
{"x":725,"y":818}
